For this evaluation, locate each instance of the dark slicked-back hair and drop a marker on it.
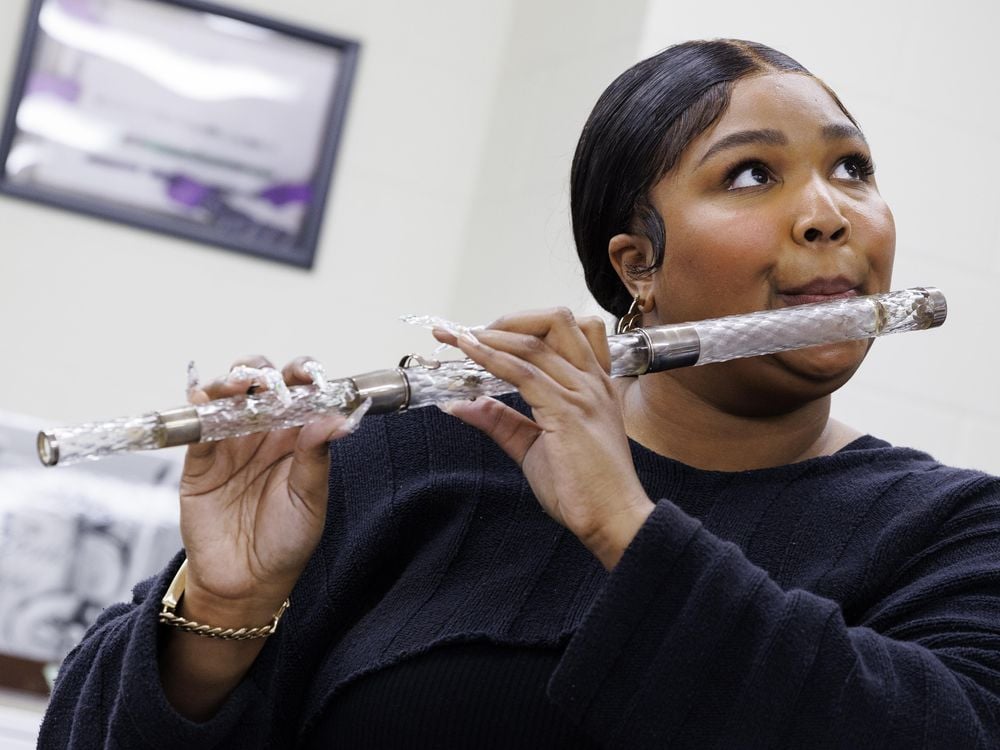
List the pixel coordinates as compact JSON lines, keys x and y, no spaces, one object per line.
{"x":635,"y":135}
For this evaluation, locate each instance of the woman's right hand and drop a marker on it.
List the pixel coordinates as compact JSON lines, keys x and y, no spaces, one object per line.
{"x":253,"y":509}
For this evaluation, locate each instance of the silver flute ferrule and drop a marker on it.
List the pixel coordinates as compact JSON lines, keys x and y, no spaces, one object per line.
{"x":47,"y":445}
{"x":389,"y":390}
{"x":671,"y":347}
{"x":180,"y":426}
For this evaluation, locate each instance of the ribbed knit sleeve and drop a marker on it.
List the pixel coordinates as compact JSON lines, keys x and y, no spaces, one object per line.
{"x":691,"y":645}
{"x":108,"y":693}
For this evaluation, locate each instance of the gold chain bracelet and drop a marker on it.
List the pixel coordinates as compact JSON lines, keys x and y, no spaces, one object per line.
{"x":169,"y":616}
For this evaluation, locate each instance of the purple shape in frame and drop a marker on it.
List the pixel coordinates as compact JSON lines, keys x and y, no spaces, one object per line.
{"x":48,"y":83}
{"x":80,"y":9}
{"x":188,"y":192}
{"x":282,"y":195}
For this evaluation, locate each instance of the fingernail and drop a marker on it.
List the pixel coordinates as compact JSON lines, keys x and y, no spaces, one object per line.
{"x":192,"y":376}
{"x":242,"y":374}
{"x":276,"y":383}
{"x":315,"y":371}
{"x":468,"y":338}
{"x":354,"y":419}
{"x":446,"y":406}
{"x":192,"y":382}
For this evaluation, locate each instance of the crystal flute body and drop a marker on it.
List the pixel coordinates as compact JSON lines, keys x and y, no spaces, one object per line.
{"x":634,"y":353}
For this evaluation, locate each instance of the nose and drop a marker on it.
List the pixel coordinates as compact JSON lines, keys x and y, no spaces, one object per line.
{"x":819,"y":220}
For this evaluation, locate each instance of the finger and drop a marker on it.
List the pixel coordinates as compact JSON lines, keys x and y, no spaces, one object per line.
{"x":242,"y":370}
{"x":217,"y":389}
{"x":255,"y":361}
{"x":596,"y":333}
{"x":316,"y":434}
{"x":197,"y":396}
{"x":311,"y":462}
{"x":560,"y":329}
{"x":266,"y":378}
{"x":511,"y":430}
{"x":226,"y":387}
{"x":220,"y":388}
{"x":539,"y":353}
{"x":232,"y":385}
{"x":200,"y":452}
{"x":534,"y":384}
{"x":317,"y":372}
{"x":296,"y":372}
{"x":535,"y":351}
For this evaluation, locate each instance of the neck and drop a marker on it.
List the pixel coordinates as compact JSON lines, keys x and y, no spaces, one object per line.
{"x":669,"y":419}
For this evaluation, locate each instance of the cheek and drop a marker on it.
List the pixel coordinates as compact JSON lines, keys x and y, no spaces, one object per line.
{"x":714,"y":261}
{"x":875,"y":223}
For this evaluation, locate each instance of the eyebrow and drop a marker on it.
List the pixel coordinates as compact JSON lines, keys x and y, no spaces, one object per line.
{"x":839,"y":132}
{"x":769,"y":137}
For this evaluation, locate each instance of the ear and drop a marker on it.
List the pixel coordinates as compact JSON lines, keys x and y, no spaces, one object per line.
{"x":627,"y":251}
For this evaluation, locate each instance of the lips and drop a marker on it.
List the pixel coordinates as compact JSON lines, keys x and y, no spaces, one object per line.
{"x":819,"y":290}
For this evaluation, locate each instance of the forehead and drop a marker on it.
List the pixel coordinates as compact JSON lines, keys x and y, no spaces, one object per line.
{"x":793,"y":103}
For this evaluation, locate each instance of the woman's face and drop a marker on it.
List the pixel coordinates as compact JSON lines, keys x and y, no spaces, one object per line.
{"x":774,"y":205}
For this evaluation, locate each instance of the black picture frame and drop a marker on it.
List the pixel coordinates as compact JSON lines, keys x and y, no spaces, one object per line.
{"x":246,"y":204}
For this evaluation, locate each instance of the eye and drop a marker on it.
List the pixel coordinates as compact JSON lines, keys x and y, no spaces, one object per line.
{"x":857,"y":167}
{"x":748,"y":175}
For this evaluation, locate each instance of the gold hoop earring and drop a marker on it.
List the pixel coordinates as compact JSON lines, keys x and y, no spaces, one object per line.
{"x":632,"y":319}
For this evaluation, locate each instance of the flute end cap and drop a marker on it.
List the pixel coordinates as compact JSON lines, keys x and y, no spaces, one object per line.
{"x":48,"y":449}
{"x":938,"y":305}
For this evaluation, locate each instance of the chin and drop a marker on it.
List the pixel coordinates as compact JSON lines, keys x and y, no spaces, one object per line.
{"x":831,"y":364}
{"x":790,"y":380}
{"x":776,"y":384}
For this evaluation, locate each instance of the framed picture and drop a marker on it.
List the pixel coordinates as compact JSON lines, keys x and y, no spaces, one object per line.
{"x":181,"y":116}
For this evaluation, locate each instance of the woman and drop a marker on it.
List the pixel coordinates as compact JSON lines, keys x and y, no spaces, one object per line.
{"x":745,"y":572}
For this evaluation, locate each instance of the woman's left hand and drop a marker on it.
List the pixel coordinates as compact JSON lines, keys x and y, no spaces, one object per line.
{"x":575,"y":453}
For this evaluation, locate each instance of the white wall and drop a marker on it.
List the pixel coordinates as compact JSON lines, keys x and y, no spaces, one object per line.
{"x":920,"y":77}
{"x":450,"y":196}
{"x":453,"y":170}
{"x":519,"y":243}
{"x":99,"y":319}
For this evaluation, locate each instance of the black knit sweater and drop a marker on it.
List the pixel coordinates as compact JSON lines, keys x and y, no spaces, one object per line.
{"x":848,"y":601}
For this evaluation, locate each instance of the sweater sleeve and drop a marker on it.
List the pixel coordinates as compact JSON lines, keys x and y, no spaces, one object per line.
{"x":691,"y":645}
{"x":108,"y":693}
